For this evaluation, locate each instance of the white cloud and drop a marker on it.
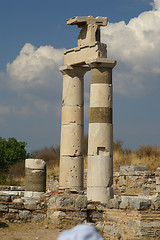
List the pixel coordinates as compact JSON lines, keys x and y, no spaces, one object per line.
{"x":34,"y":67}
{"x":156,"y":4}
{"x":136,"y":48}
{"x":35,"y":79}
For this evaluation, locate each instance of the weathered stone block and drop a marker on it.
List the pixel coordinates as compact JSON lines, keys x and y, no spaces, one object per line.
{"x":125,"y":203}
{"x":10,"y":217}
{"x":51,"y":201}
{"x":38,"y":218}
{"x":81,"y":202}
{"x":58,"y":214}
{"x":65,"y":202}
{"x":16,"y":205}
{"x":24,"y":215}
{"x":5,"y":198}
{"x":85,"y":53}
{"x":97,"y":215}
{"x":100,"y":226}
{"x":130,"y":170}
{"x":71,"y":167}
{"x":155,"y":203}
{"x":9,"y":193}
{"x":139,"y":204}
{"x":18,"y":200}
{"x":3,"y":208}
{"x":17,"y":188}
{"x":114,"y":203}
{"x":29,"y":205}
{"x":13,"y":210}
{"x":35,"y":175}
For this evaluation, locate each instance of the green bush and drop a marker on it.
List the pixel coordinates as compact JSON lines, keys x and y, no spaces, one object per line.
{"x":11,"y":151}
{"x":3,"y":179}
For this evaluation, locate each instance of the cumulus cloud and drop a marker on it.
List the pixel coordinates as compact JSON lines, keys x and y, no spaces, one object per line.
{"x":35,"y":78}
{"x":156,"y":4}
{"x":136,"y":48}
{"x":35,"y":66}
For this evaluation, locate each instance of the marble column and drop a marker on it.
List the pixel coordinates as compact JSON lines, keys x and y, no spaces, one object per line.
{"x":100,"y":136}
{"x":72,"y":127}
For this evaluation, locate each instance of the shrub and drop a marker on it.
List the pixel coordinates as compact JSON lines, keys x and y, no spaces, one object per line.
{"x":3,"y":179}
{"x":51,"y":149}
{"x":11,"y":151}
{"x":49,"y":157}
{"x":148,"y":151}
{"x":118,"y":146}
{"x":17,"y":170}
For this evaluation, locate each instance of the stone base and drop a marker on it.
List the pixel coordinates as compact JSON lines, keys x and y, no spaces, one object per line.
{"x":99,"y":194}
{"x":34,"y":195}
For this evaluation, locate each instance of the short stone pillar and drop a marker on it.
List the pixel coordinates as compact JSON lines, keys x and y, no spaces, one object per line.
{"x":35,"y":177}
{"x":72,"y":127}
{"x":100,"y":136}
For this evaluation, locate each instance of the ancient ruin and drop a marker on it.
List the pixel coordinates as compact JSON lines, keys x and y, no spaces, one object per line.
{"x":90,"y":54}
{"x":132,"y":211}
{"x":35,"y":178}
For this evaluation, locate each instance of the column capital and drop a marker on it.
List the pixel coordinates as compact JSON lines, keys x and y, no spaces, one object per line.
{"x":69,"y":69}
{"x":102,"y":62}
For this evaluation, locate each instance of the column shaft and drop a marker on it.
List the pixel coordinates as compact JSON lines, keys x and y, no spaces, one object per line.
{"x":72,"y":127}
{"x":100,"y":137}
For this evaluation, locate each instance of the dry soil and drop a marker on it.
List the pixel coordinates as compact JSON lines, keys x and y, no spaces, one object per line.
{"x":27,"y":231}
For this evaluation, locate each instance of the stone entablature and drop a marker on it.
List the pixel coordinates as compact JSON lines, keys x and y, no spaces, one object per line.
{"x":82,"y":54}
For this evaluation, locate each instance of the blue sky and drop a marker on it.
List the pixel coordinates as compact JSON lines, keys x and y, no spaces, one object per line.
{"x":34,"y":35}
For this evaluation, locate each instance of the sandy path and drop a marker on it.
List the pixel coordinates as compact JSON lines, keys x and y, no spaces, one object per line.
{"x":28,"y":231}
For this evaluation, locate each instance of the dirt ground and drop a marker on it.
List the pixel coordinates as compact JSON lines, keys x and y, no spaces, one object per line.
{"x":27,"y":231}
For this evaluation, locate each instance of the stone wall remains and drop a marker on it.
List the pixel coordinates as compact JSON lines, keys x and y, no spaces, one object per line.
{"x":132,"y":180}
{"x":14,"y":207}
{"x":130,"y":215}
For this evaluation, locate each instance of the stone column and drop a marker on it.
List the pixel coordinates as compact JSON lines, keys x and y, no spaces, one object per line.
{"x":35,"y":177}
{"x":100,"y":137}
{"x":72,"y":127}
